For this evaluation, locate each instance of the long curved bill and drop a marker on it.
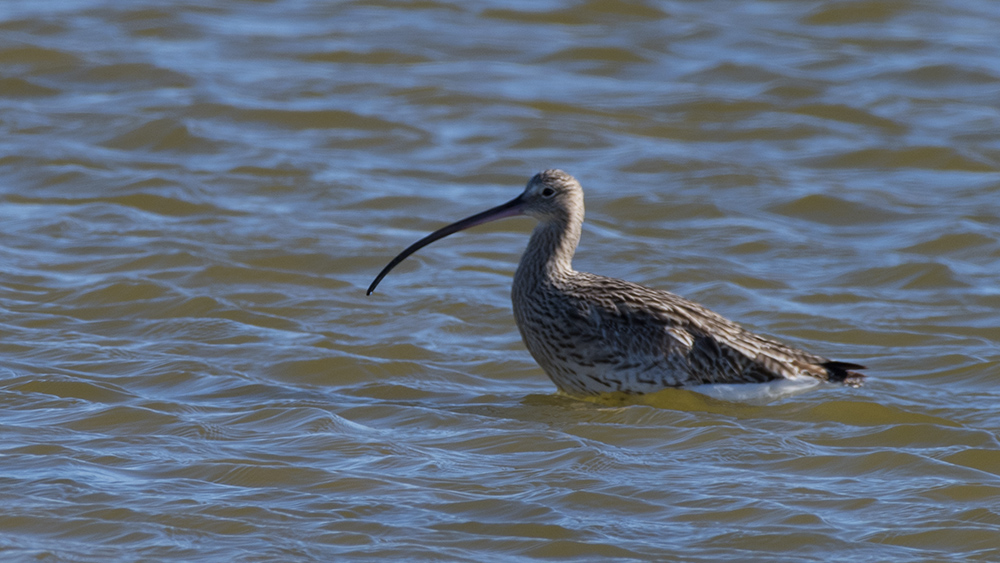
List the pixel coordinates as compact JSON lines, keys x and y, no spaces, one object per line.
{"x":512,"y":208}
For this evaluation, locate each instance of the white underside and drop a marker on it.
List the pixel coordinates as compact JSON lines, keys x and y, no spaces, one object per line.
{"x":756,"y":392}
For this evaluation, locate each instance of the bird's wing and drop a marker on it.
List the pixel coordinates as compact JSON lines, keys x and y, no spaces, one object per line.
{"x":659,"y":330}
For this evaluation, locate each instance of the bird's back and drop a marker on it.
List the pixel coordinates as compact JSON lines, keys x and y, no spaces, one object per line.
{"x":594,"y":334}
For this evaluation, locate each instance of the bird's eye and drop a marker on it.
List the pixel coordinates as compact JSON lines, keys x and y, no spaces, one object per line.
{"x":548,"y":192}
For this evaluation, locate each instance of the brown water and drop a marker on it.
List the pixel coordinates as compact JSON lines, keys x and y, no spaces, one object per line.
{"x":195,"y":195}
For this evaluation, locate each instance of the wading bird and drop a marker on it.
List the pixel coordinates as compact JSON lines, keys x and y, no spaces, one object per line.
{"x":593,"y":334}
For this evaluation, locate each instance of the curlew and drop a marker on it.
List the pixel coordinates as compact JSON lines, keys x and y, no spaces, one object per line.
{"x":592,"y":334}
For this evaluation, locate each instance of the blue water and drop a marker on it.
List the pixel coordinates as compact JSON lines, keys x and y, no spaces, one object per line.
{"x":196,"y":195}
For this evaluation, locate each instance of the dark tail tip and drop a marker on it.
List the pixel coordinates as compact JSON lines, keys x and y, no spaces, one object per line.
{"x":843,"y":372}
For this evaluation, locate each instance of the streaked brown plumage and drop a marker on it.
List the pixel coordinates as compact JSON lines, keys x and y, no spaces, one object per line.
{"x":593,"y":334}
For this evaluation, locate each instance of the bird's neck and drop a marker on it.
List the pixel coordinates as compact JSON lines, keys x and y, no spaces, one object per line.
{"x":549,"y":255}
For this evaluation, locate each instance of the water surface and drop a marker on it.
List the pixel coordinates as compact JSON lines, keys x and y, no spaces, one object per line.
{"x":196,"y":195}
